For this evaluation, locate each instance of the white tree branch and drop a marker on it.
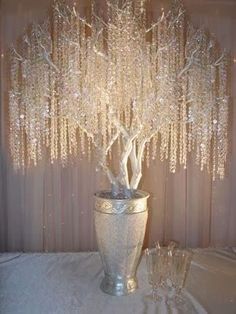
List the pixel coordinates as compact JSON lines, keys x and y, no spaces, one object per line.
{"x":218,"y":61}
{"x":128,"y":143}
{"x":133,"y":157}
{"x":18,"y":56}
{"x":137,"y":174}
{"x":119,"y":125}
{"x":189,"y":63}
{"x":156,"y":24}
{"x":103,"y":163}
{"x":181,"y":12}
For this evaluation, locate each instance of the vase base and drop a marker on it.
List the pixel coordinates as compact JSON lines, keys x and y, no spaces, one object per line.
{"x":118,"y":286}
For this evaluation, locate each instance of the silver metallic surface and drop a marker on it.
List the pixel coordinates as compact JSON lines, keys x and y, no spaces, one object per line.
{"x":116,"y":206}
{"x":120,"y":228}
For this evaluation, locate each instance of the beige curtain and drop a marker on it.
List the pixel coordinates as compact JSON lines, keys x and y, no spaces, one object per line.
{"x":50,"y":207}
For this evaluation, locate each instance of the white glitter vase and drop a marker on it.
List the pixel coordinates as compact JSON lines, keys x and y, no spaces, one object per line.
{"x":120,"y":228}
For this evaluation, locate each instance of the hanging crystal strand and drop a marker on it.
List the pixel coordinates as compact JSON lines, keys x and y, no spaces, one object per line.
{"x":190,"y":121}
{"x":69,"y":86}
{"x":204,"y":100}
{"x":212,"y":99}
{"x":208,"y":118}
{"x":128,"y":54}
{"x":208,"y":143}
{"x":161,"y":75}
{"x":209,"y":146}
{"x":70,"y":137}
{"x":174,"y":103}
{"x":190,"y":98}
{"x":197,"y":123}
{"x":26,"y":97}
{"x":190,"y":136}
{"x":38,"y":90}
{"x":45,"y":83}
{"x":14,"y":136}
{"x":63,"y":138}
{"x":53,"y":113}
{"x":183,"y":140}
{"x":192,"y":87}
{"x":122,"y":54}
{"x":104,"y":106}
{"x":42,"y":45}
{"x":46,"y":130}
{"x":89,"y":83}
{"x":92,"y":74}
{"x":209,"y":100}
{"x":180,"y":34}
{"x":61,"y":83}
{"x":83,"y":74}
{"x":148,"y":155}
{"x":116,"y":53}
{"x":27,"y":79}
{"x":215,"y":118}
{"x":212,"y":153}
{"x":127,"y":84}
{"x":214,"y":158}
{"x":110,"y":55}
{"x":82,"y":141}
{"x":53,"y":85}
{"x":29,"y":109}
{"x":173,"y":147}
{"x":154,"y":147}
{"x":33,"y":123}
{"x":164,"y":148}
{"x":214,"y":115}
{"x":22,"y":113}
{"x":223,"y":117}
{"x":74,"y":105}
{"x":65,"y":86}
{"x":30,"y":100}
{"x":136,"y":9}
{"x":183,"y":128}
{"x":198,"y":152}
{"x":47,"y":95}
{"x":73,"y":147}
{"x":89,"y":148}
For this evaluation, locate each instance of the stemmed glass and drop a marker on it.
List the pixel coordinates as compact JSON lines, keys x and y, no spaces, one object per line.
{"x":158,"y":263}
{"x":167,"y":270}
{"x":181,"y":261}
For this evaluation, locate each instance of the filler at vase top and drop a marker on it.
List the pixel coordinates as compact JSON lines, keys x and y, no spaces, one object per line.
{"x":120,"y":228}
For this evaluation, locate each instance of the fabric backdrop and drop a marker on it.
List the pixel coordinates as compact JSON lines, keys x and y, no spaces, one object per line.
{"x":50,"y":207}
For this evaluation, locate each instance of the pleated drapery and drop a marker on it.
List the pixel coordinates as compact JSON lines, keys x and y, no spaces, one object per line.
{"x":49,"y":208}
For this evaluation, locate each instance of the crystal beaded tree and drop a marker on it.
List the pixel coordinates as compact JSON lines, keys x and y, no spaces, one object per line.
{"x":118,"y":81}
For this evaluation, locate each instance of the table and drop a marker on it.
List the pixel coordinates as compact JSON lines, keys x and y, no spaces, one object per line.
{"x":65,"y":283}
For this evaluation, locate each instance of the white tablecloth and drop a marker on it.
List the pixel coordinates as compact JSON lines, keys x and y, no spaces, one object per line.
{"x":69,"y":283}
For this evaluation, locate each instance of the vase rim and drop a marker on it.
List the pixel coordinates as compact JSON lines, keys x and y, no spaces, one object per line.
{"x":103,"y":194}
